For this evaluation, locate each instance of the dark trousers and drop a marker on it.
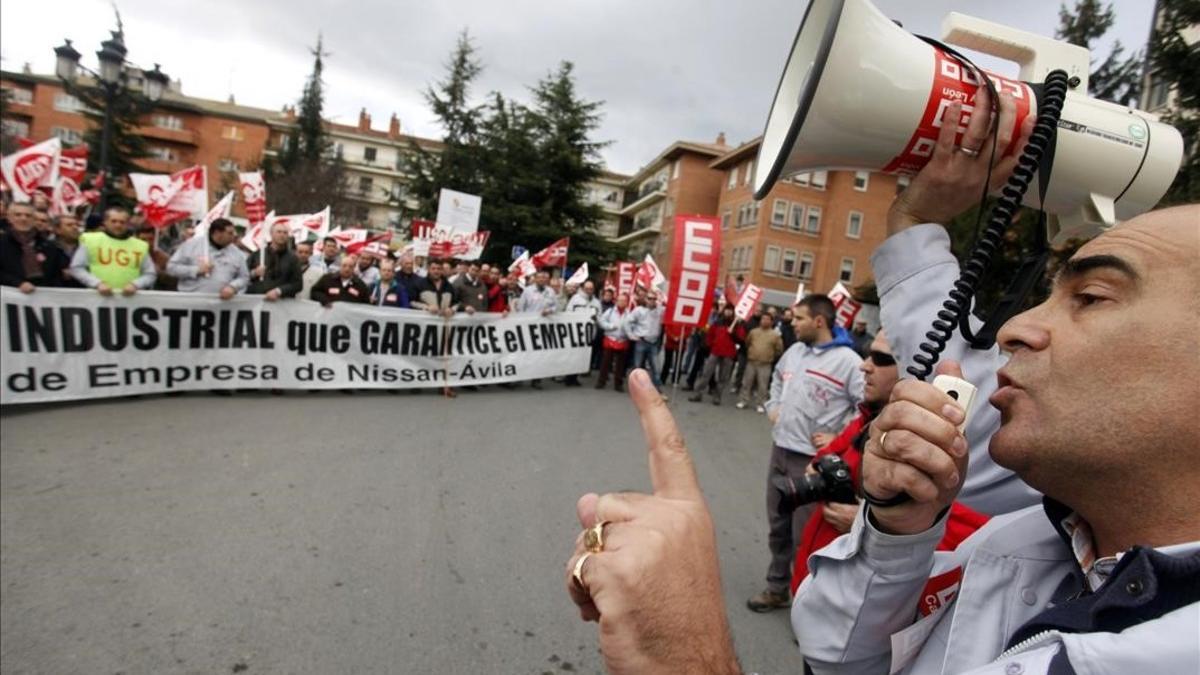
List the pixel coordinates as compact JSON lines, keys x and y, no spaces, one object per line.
{"x":614,"y":360}
{"x":698,"y":360}
{"x":597,"y":351}
{"x":785,"y":530}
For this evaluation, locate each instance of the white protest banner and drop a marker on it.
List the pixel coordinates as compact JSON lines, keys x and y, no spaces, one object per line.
{"x":65,"y":344}
{"x":431,"y":240}
{"x":458,"y":211}
{"x":254,"y":195}
{"x":747,"y":302}
{"x":523,"y":267}
{"x":220,"y":210}
{"x":845,"y":304}
{"x":165,"y":199}
{"x":649,"y":275}
{"x":27,"y":170}
{"x":580,"y":275}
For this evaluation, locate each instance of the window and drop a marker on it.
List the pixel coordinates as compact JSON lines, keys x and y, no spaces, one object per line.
{"x":732,"y":178}
{"x":675,"y":169}
{"x":846,"y":274}
{"x":228,"y":164}
{"x":15,"y":128}
{"x":902,"y":183}
{"x":1160,"y":91}
{"x":797,"y":222}
{"x":749,"y":173}
{"x":801,"y":179}
{"x":338,"y":150}
{"x":67,"y":103}
{"x":813,"y":225}
{"x":162,"y":154}
{"x":369,"y":154}
{"x":365,"y":184}
{"x":613,"y":196}
{"x":725,"y":218}
{"x":67,"y":136}
{"x":173,"y":122}
{"x":806,"y":265}
{"x":20,"y":95}
{"x":754,"y":213}
{"x":779,"y":214}
{"x":819,"y":178}
{"x":788,"y":267}
{"x":861,"y":178}
{"x":232,"y":133}
{"x":771,"y":260}
{"x":854,"y":226}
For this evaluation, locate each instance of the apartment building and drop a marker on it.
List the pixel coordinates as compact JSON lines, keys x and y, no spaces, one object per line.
{"x":180,"y":131}
{"x":608,"y":192}
{"x":818,"y":228}
{"x":679,"y":180}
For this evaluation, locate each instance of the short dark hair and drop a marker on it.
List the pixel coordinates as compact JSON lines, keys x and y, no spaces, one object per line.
{"x":819,"y":306}
{"x":220,"y":225}
{"x":326,"y":240}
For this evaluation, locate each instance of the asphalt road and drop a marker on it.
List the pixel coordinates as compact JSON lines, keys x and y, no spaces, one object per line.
{"x":327,"y":533}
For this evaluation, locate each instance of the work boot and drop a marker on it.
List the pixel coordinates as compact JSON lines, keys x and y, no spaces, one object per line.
{"x":768,"y":601}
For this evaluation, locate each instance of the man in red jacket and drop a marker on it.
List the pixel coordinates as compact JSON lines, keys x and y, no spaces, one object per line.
{"x":722,"y":338}
{"x":831,"y":520}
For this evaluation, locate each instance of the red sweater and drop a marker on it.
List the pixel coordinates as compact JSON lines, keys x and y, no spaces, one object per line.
{"x":962,"y":522}
{"x":497,"y":300}
{"x":721,"y":342}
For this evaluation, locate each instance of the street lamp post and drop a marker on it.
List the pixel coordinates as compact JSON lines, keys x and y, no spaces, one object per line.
{"x":113,"y":80}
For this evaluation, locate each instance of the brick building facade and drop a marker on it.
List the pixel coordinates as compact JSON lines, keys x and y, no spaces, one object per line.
{"x":181,"y":131}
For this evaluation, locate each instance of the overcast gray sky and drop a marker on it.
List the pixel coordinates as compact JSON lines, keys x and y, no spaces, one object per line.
{"x":666,"y":70}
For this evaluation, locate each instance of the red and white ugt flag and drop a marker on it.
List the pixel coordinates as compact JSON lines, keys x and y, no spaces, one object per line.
{"x":166,"y":199}
{"x":747,"y":303}
{"x":72,"y":162}
{"x":554,"y":255}
{"x":254,"y":195}
{"x":695,"y":257}
{"x":846,"y":306}
{"x":32,"y":168}
{"x":648,"y":275}
{"x":347,"y":238}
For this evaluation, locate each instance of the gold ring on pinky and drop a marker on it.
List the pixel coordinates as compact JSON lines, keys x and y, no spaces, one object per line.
{"x":577,"y":573}
{"x":593,"y":537}
{"x":968,"y":152}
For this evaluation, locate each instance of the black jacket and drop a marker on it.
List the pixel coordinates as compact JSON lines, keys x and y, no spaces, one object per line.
{"x":330,"y":289}
{"x":12,"y":272}
{"x":283,"y":272}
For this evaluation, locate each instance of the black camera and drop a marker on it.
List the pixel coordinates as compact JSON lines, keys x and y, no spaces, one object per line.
{"x":831,"y":483}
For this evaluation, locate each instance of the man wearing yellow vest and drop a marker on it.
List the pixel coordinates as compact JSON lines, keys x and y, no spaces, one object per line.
{"x":111,"y":259}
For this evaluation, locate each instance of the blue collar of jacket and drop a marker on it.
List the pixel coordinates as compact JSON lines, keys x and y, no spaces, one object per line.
{"x":1144,"y":585}
{"x":841,"y":338}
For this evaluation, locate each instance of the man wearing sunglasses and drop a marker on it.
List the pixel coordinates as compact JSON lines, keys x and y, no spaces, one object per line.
{"x":833,"y":519}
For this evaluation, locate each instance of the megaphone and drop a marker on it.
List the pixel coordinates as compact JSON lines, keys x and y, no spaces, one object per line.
{"x":860,"y":92}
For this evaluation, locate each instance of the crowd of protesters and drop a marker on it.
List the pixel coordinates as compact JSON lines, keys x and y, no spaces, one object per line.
{"x":120,"y":255}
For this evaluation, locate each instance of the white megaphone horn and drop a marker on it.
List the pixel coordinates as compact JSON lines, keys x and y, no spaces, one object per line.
{"x":860,"y":92}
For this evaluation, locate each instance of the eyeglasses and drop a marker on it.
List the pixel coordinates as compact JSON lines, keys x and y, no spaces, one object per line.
{"x":882,"y":360}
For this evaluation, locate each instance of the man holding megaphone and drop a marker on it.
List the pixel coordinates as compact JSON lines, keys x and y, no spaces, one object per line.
{"x":1097,"y":411}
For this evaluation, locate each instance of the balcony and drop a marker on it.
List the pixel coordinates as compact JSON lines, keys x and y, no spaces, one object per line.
{"x":649,"y":194}
{"x":184,"y":136}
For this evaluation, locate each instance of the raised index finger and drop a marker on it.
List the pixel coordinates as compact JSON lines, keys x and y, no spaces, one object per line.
{"x":671,"y":470}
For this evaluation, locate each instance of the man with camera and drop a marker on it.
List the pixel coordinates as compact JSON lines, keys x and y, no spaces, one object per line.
{"x":814,"y":389}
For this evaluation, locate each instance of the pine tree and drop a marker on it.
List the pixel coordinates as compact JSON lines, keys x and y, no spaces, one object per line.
{"x":1114,"y":79}
{"x":570,"y":161}
{"x":457,"y":166}
{"x":1175,"y":64}
{"x":307,"y":177}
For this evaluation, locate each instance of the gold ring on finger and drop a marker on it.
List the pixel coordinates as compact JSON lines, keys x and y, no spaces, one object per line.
{"x":882,"y":437}
{"x":577,"y":573}
{"x":593,"y":537}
